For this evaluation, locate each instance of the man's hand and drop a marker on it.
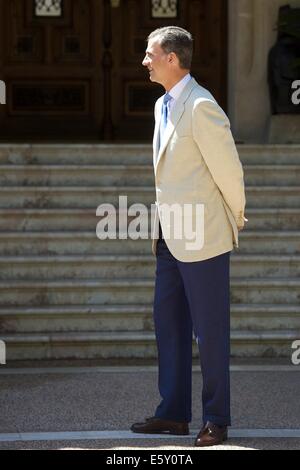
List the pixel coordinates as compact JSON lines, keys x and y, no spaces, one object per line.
{"x":240,"y":225}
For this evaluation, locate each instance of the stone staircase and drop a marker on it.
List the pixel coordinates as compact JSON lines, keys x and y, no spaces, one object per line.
{"x":66,"y":294}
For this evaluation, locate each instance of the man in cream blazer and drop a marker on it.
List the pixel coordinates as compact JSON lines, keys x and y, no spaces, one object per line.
{"x":200,"y":202}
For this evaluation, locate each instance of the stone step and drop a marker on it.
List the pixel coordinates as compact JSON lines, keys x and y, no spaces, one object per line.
{"x":136,"y":154}
{"x":131,"y":175}
{"x":268,"y":175}
{"x":134,"y":344}
{"x":269,"y":154}
{"x":78,"y":154}
{"x":265,"y":317}
{"x":37,"y":220}
{"x":67,"y":243}
{"x":133,"y":267}
{"x":64,"y":293}
{"x":89,"y":197}
{"x":113,"y":318}
{"x":77,"y":175}
{"x":120,"y":291}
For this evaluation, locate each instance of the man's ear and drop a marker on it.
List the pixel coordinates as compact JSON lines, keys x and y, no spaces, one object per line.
{"x":172,"y":58}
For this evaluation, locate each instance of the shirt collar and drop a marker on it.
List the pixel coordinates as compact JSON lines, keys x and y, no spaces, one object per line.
{"x":175,"y":92}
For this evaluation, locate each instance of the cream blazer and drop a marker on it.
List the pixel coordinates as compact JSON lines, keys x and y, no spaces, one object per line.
{"x":197,"y":163}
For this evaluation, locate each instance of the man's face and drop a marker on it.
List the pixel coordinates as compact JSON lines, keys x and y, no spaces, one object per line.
{"x":156,"y":60}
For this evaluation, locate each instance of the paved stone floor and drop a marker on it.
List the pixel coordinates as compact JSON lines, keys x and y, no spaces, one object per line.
{"x":93,"y":407}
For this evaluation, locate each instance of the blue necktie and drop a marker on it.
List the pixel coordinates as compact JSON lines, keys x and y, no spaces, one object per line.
{"x":164,"y":116}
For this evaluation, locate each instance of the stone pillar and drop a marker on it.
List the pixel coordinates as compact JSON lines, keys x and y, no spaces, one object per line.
{"x":252,"y":33}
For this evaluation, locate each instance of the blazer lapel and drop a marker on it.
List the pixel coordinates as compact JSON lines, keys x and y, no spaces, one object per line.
{"x":175,"y":115}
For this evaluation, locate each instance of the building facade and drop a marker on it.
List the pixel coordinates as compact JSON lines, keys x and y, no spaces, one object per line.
{"x":73,"y":67}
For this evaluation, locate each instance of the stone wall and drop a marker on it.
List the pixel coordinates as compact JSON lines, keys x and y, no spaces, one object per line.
{"x":251,"y":34}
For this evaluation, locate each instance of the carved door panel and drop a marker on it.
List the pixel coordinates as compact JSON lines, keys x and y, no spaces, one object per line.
{"x":133,"y":94}
{"x":50,"y":59}
{"x":73,"y":67}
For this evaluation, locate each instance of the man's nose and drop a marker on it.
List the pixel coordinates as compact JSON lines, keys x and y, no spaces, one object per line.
{"x":145,"y":62}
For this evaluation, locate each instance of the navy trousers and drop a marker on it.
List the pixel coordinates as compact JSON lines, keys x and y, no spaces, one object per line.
{"x":192,"y":298}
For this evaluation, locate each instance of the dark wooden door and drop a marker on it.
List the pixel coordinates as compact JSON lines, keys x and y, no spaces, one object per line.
{"x":76,"y":74}
{"x":52,"y":68}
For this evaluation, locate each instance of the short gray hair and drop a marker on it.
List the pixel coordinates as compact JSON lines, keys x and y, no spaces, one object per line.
{"x":177,"y":40}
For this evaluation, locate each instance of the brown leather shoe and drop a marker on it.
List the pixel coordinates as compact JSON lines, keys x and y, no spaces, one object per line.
{"x":155,"y":425}
{"x":211,"y":435}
